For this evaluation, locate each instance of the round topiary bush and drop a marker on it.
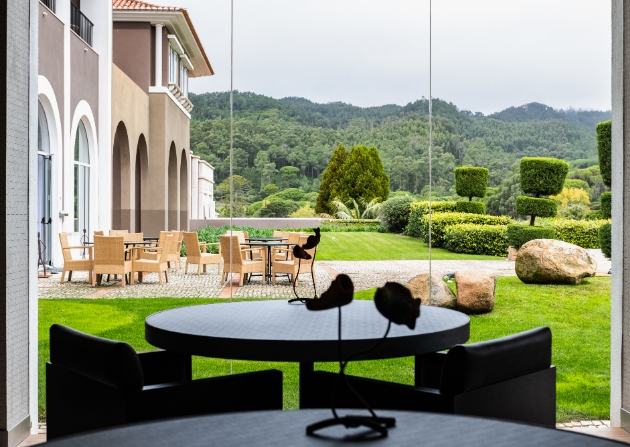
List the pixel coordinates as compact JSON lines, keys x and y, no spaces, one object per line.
{"x":517,"y":235}
{"x":471,"y":182}
{"x":471,"y":207}
{"x":605,"y":239}
{"x":528,"y":206}
{"x":543,"y":176}
{"x":394,"y":213}
{"x":605,"y":205}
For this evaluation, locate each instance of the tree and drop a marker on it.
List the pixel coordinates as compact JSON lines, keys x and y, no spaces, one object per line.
{"x":331,"y":179}
{"x":573,"y":203}
{"x":269,"y":190}
{"x":278,"y":208}
{"x":540,"y":176}
{"x":503,"y":203}
{"x":364,"y":178}
{"x":471,"y":182}
{"x":289,"y":176}
{"x":240,"y":192}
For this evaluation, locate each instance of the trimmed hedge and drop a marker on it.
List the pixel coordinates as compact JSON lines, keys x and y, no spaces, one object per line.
{"x":419,"y":209}
{"x":543,"y":176}
{"x":528,"y":206}
{"x":441,"y":221}
{"x":605,"y":205}
{"x":518,"y":235}
{"x":471,"y":207}
{"x":394,"y":213}
{"x":605,"y":239}
{"x":604,"y":149}
{"x":477,"y":239}
{"x":584,"y":233}
{"x":350,"y":222}
{"x":471,"y":182}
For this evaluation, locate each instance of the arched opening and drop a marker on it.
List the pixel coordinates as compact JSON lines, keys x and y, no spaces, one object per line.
{"x":183,"y":192}
{"x":44,"y":183}
{"x":173,"y":190}
{"x":121,"y":180}
{"x":140,"y":179}
{"x":81,"y":181}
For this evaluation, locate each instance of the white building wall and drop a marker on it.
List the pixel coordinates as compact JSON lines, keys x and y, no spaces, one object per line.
{"x":202,"y":189}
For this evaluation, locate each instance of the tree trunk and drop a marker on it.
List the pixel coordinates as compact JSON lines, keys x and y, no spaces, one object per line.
{"x":531,"y":220}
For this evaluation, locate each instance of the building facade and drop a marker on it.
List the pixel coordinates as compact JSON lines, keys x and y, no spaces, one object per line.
{"x":201,"y":189}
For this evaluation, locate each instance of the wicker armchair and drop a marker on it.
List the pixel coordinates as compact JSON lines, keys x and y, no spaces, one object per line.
{"x":194,"y":255}
{"x":132,"y":237}
{"x":176,"y":248}
{"x":70,"y":264}
{"x":109,"y":257}
{"x":160,"y":265}
{"x":240,"y":264}
{"x":99,"y":233}
{"x":256,"y":253}
{"x":290,"y":266}
{"x":281,"y":253}
{"x":118,"y":232}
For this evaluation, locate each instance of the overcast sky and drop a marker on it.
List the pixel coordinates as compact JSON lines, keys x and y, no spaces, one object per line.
{"x":487,"y":54}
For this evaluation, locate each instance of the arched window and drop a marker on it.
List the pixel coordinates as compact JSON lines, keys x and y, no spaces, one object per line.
{"x":44,"y":182}
{"x":81,"y":181}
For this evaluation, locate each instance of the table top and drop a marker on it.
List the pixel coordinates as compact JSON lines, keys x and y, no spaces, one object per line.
{"x":287,"y":428}
{"x":267,"y":244}
{"x":266,"y":239}
{"x":278,"y":331}
{"x":151,"y":238}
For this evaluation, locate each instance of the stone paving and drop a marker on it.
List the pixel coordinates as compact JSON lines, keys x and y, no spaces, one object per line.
{"x":364,"y":274}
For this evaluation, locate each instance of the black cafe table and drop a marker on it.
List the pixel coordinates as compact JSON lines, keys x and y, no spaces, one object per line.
{"x":276,"y":331}
{"x":269,"y":243}
{"x":287,"y":428}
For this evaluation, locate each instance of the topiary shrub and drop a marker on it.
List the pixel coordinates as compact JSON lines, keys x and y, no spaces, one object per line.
{"x":278,"y":208}
{"x":471,"y":182}
{"x":604,"y":150}
{"x":394,"y":213}
{"x":471,"y":207}
{"x":605,"y":239}
{"x":517,"y":235}
{"x":419,"y":209}
{"x":441,"y":221}
{"x":529,"y":206}
{"x":605,"y":205}
{"x":540,"y":176}
{"x":488,"y":240}
{"x":578,"y":232}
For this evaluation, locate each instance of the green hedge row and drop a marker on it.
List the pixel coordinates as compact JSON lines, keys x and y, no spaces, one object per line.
{"x":419,"y":209}
{"x":584,"y":233}
{"x":350,"y":222}
{"x":441,"y":221}
{"x":527,"y":206}
{"x":605,"y":204}
{"x":471,"y":207}
{"x":477,"y":239}
{"x":605,"y":239}
{"x":519,"y":235}
{"x":604,"y":150}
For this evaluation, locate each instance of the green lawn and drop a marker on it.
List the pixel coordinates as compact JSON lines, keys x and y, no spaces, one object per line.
{"x":382,"y":247}
{"x":579,"y":317}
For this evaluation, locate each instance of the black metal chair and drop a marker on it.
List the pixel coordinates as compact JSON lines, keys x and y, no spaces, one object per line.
{"x":507,"y":378}
{"x":93,"y":383}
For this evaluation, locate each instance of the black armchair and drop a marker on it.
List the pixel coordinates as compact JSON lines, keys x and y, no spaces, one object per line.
{"x":508,"y":378}
{"x":93,"y":383}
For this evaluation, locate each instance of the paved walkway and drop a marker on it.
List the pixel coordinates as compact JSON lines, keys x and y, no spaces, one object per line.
{"x":365,"y":275}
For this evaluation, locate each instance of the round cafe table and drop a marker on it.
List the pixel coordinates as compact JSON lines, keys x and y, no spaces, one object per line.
{"x":280,"y":332}
{"x":287,"y":428}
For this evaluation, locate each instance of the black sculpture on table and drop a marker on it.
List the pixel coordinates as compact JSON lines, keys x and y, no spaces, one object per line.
{"x":395,"y":302}
{"x":299,"y":252}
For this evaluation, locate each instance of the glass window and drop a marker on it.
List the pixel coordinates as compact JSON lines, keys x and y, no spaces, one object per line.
{"x":183,"y":80}
{"x":173,"y":65}
{"x":81,"y":181}
{"x":43,"y":140}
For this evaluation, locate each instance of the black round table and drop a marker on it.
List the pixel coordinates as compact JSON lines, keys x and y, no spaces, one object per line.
{"x":265,"y":239}
{"x":267,"y":242}
{"x":287,"y":428}
{"x":282,"y":332}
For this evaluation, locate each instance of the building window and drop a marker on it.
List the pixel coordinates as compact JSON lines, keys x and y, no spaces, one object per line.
{"x":81,"y":181}
{"x":44,"y":171}
{"x":183,"y":80}
{"x":173,"y":65}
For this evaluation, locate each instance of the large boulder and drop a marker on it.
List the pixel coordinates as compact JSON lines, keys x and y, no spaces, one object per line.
{"x":475,"y":290}
{"x":548,"y":261}
{"x":441,"y":293}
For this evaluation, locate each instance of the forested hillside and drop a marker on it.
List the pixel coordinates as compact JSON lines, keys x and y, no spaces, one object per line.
{"x":270,"y":134}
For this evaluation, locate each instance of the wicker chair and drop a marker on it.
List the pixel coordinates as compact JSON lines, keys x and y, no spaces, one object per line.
{"x":290,"y":266}
{"x":256,"y":253}
{"x":132,"y":237}
{"x":109,"y":257}
{"x":70,"y":264}
{"x":176,"y":248}
{"x":194,"y":255}
{"x":118,"y":232}
{"x":99,"y":233}
{"x":150,"y":253}
{"x":160,"y":265}
{"x":240,"y":264}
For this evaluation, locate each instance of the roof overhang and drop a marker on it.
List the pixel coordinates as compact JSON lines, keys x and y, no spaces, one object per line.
{"x":178,"y":23}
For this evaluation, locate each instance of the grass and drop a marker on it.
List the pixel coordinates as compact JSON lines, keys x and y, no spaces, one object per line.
{"x":579,"y":317}
{"x":382,"y":247}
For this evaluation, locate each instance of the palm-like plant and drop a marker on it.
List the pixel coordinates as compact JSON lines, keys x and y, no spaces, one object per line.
{"x":354,"y":210}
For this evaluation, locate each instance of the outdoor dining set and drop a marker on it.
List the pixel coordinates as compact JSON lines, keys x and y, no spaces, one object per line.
{"x":130,"y":254}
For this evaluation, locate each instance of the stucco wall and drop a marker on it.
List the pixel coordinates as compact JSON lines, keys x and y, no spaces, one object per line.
{"x":132,"y":51}
{"x":50,"y":41}
{"x":84,"y":75}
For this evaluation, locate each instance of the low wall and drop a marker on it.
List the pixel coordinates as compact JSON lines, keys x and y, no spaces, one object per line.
{"x":257,"y":222}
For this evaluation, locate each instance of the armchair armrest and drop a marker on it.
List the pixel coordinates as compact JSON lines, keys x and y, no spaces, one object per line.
{"x":165,"y":367}
{"x":430,"y":366}
{"x":78,"y":247}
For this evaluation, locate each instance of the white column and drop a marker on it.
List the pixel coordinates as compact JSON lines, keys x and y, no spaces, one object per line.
{"x":158,"y":54}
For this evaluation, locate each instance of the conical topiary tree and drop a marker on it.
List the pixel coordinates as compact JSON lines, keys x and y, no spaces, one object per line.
{"x":540,"y":177}
{"x":604,"y":150}
{"x":332,"y":176}
{"x":471,"y":182}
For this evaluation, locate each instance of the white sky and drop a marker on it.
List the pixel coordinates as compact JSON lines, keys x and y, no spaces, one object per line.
{"x":487,"y":54}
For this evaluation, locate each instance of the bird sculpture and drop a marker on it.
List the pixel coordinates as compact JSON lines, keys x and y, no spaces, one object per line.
{"x":340,"y":293}
{"x":395,"y":302}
